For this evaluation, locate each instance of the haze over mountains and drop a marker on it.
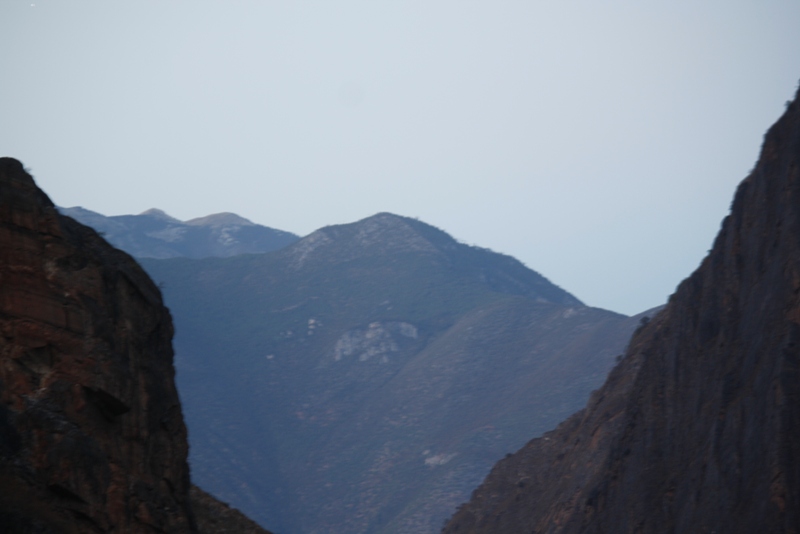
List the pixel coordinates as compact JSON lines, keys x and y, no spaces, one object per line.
{"x":376,"y":369}
{"x":365,"y":378}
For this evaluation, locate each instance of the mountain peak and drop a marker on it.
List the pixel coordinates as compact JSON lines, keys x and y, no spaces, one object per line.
{"x":220,"y":219}
{"x":385,"y":235}
{"x":385,"y":217}
{"x":379,"y":234}
{"x":159,"y":214}
{"x":388,"y":229}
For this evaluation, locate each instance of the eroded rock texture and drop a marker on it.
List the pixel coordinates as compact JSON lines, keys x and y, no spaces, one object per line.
{"x":698,"y":429}
{"x":91,"y":433}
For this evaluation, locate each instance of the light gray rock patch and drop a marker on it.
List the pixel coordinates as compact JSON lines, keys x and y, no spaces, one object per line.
{"x":376,"y":340}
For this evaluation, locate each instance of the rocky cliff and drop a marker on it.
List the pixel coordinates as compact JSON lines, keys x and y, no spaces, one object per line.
{"x":92,"y":437}
{"x":698,"y":428}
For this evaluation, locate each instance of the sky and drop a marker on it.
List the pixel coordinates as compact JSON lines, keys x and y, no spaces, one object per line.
{"x":600,"y":143}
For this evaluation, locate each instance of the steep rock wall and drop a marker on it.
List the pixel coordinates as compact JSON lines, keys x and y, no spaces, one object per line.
{"x":92,"y":437}
{"x":698,"y":429}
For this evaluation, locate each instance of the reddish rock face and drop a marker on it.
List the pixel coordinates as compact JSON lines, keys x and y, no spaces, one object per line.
{"x":698,"y":429}
{"x":92,"y":437}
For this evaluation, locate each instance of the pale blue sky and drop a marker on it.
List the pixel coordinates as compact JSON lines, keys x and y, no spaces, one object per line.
{"x":598,"y":142}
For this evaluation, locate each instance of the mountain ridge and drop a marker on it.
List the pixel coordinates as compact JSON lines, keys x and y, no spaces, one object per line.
{"x":385,"y":233}
{"x":156,"y":234}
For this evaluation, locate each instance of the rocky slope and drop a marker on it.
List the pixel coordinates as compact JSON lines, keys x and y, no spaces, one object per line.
{"x":698,"y":429}
{"x":154,"y":234}
{"x":365,"y":378}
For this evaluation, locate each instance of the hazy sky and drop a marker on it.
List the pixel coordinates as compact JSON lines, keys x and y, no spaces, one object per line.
{"x":600,"y":142}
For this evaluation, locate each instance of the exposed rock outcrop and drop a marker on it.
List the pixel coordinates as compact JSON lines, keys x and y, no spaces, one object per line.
{"x":698,"y":429}
{"x":92,"y":437}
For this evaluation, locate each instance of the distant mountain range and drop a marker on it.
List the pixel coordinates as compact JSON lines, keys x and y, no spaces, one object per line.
{"x":154,"y":234}
{"x":366,"y":377}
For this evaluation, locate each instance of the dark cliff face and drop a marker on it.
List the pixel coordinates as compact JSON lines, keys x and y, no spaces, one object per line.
{"x":698,"y":429}
{"x":91,"y":433}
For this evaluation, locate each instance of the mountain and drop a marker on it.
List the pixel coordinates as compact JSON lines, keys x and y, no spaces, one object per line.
{"x":154,"y":234}
{"x":698,"y":428}
{"x":367,"y":377}
{"x":92,"y":437}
